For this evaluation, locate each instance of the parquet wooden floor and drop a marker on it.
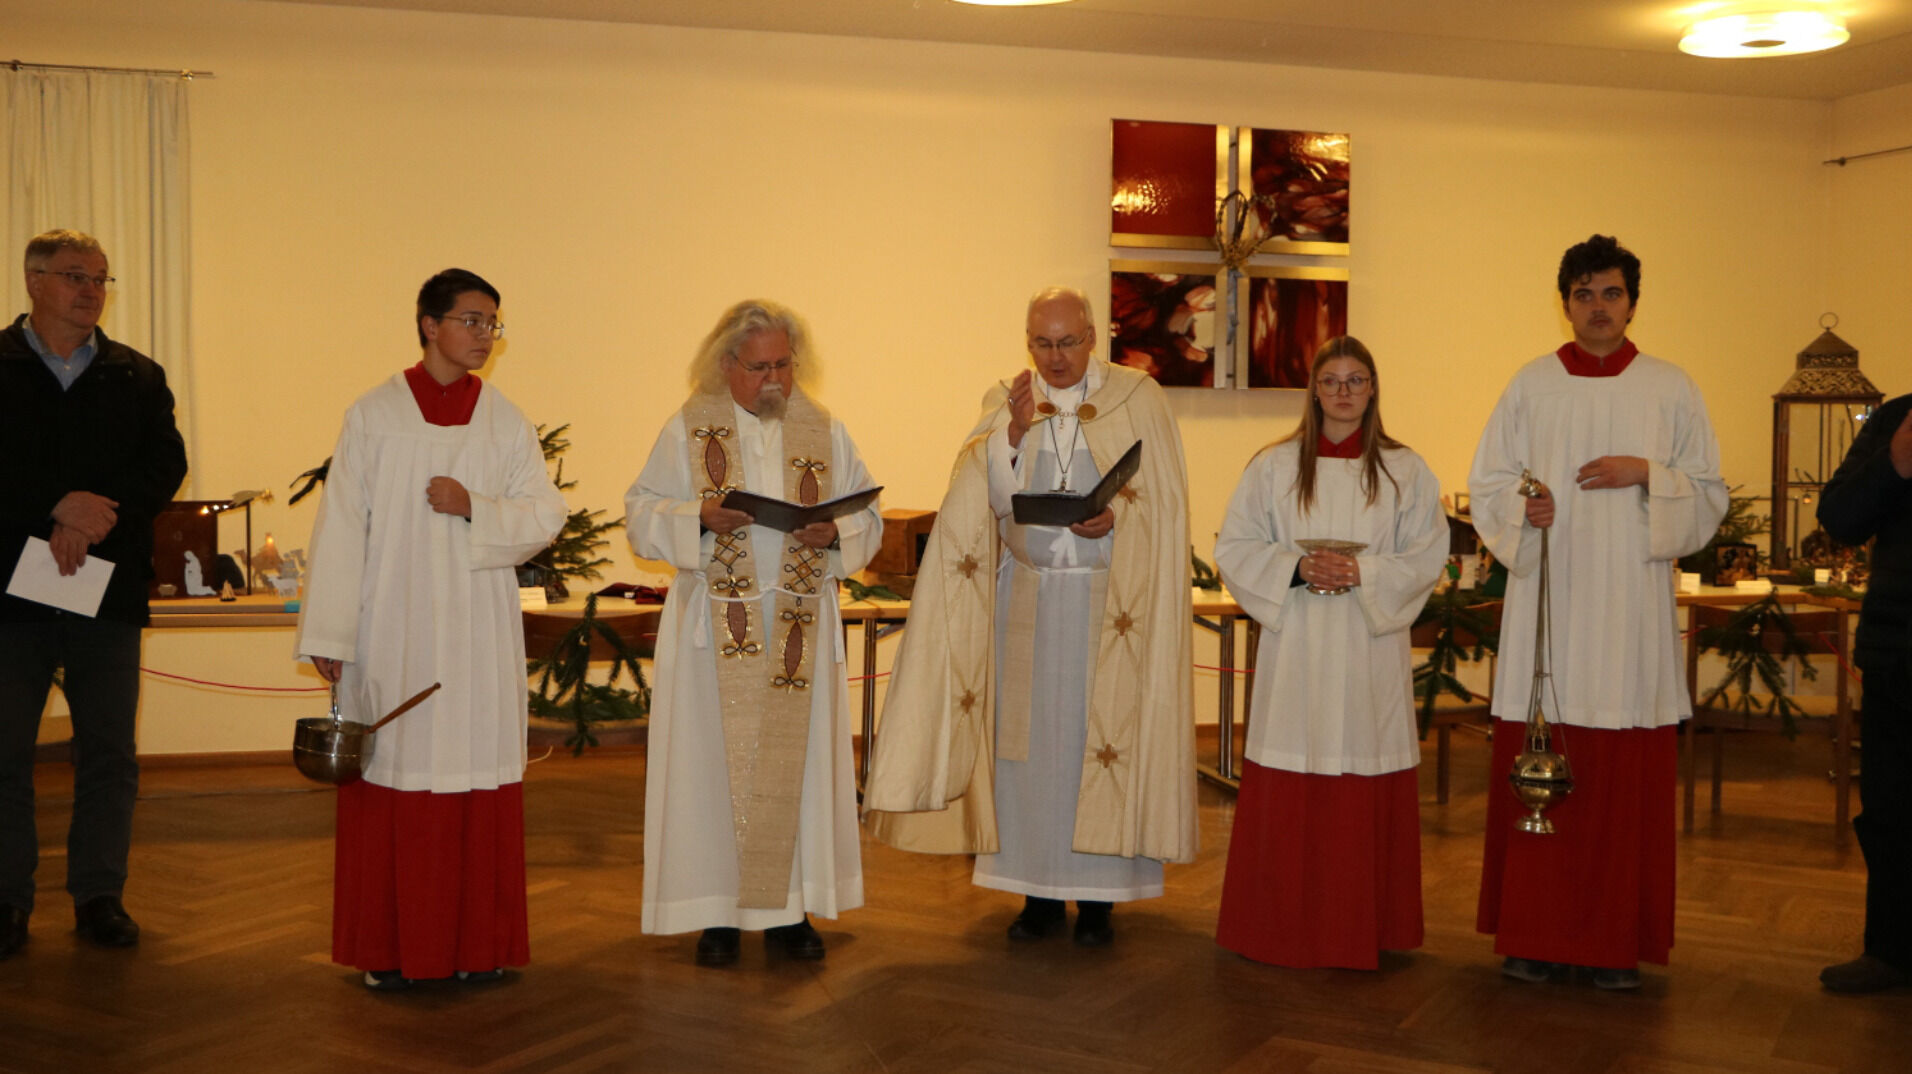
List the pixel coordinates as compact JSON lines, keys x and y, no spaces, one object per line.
{"x":231,"y":882}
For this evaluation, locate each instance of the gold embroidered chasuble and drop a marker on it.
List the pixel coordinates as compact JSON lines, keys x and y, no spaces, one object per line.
{"x":764,"y":668}
{"x":931,"y":786}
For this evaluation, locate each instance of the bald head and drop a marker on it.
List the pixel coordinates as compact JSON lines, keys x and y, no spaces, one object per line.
{"x":1061,"y":335}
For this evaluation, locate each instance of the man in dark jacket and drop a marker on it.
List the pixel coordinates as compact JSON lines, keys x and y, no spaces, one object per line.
{"x":89,"y":454}
{"x":1870,"y":498}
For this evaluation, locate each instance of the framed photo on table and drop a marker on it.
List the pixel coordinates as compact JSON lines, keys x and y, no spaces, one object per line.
{"x":1287,"y":313}
{"x":1162,"y":320}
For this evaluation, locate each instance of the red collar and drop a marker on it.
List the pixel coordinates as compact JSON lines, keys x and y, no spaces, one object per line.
{"x":1581,"y":364}
{"x":1346,"y":449}
{"x":444,"y":404}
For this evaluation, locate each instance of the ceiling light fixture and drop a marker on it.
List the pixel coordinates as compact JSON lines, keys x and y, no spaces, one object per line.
{"x":1012,"y":3}
{"x":1764,"y":31}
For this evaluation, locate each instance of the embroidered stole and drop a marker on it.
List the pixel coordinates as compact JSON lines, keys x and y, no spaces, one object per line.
{"x":764,"y":669}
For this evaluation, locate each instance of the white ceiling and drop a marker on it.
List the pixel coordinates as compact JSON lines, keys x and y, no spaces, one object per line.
{"x":1625,"y":43}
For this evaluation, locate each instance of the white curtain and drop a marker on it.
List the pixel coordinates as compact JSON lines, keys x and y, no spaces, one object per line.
{"x":107,"y":153}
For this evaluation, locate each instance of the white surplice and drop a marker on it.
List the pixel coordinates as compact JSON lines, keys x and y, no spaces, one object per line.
{"x":690,"y":849}
{"x":407,"y":596}
{"x":1333,"y":689}
{"x":1614,"y":638}
{"x":1036,"y":798}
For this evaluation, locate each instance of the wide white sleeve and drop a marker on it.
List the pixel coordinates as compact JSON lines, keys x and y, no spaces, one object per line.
{"x":1394,"y":585}
{"x":520,"y":518}
{"x":1006,"y":463}
{"x":1493,"y":485}
{"x":1685,"y":495}
{"x":859,"y":535}
{"x":1255,"y":559}
{"x":329,"y":611}
{"x":660,"y":509}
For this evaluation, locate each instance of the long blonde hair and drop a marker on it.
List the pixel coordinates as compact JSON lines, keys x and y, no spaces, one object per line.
{"x":1373,"y":436}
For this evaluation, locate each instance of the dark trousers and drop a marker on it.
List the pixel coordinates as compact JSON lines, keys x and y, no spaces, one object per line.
{"x":1884,"y":822}
{"x":101,"y":662}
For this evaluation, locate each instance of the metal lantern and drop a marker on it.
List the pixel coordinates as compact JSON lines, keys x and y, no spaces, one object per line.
{"x":1815,"y":417}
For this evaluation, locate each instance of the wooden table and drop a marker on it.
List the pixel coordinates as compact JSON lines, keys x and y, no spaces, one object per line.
{"x":1215,"y":610}
{"x":1842,"y":712}
{"x":879,"y":619}
{"x":257,"y":610}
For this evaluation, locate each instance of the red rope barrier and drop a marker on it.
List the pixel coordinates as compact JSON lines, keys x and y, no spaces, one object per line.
{"x":239,"y":686}
{"x":1851,"y":672}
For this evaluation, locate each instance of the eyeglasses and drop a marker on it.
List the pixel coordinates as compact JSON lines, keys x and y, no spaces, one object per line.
{"x":1041,"y":345}
{"x":1354,"y":385}
{"x":758,"y":369}
{"x":476,"y":324}
{"x":78,"y":279}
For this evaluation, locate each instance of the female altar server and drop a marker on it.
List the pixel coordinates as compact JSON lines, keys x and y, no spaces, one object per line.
{"x":1324,"y":868}
{"x":437,"y":491}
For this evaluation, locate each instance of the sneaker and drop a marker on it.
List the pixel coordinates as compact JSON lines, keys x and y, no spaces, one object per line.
{"x":1616,"y":980}
{"x":1527,"y":969}
{"x":1863,"y":974}
{"x":386,"y":981}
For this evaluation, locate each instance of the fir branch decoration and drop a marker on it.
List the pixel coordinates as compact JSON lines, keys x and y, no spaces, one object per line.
{"x":1203,"y":575}
{"x":1743,"y":641}
{"x":573,"y":553}
{"x":859,"y":591}
{"x":565,"y":693}
{"x":1456,"y":612}
{"x":313,"y":478}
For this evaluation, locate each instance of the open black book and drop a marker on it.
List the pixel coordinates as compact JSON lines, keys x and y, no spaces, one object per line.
{"x":791,"y":517}
{"x":1069,"y":508}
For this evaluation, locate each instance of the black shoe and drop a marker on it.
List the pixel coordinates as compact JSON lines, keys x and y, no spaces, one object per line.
{"x":1616,"y":980}
{"x":717,"y":947}
{"x":1531,"y":970}
{"x":387,"y":981}
{"x":104,"y":921}
{"x":1863,"y":974}
{"x":1092,"y":928}
{"x":480,"y":976}
{"x":13,"y":930}
{"x":1038,"y":919}
{"x":799,"y":941}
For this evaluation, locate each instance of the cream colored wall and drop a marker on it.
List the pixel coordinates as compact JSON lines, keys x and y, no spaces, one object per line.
{"x":621,"y":184}
{"x":1871,"y":234}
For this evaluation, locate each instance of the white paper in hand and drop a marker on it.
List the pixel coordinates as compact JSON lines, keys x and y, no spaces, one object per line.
{"x":37,"y":578}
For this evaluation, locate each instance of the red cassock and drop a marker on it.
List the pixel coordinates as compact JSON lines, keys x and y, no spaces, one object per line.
{"x":1323,"y":870}
{"x":1599,"y":890}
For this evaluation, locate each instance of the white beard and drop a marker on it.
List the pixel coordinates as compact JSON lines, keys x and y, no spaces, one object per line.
{"x":771,"y":402}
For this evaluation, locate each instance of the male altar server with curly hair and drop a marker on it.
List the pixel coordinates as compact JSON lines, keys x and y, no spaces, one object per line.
{"x":1623,"y":442}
